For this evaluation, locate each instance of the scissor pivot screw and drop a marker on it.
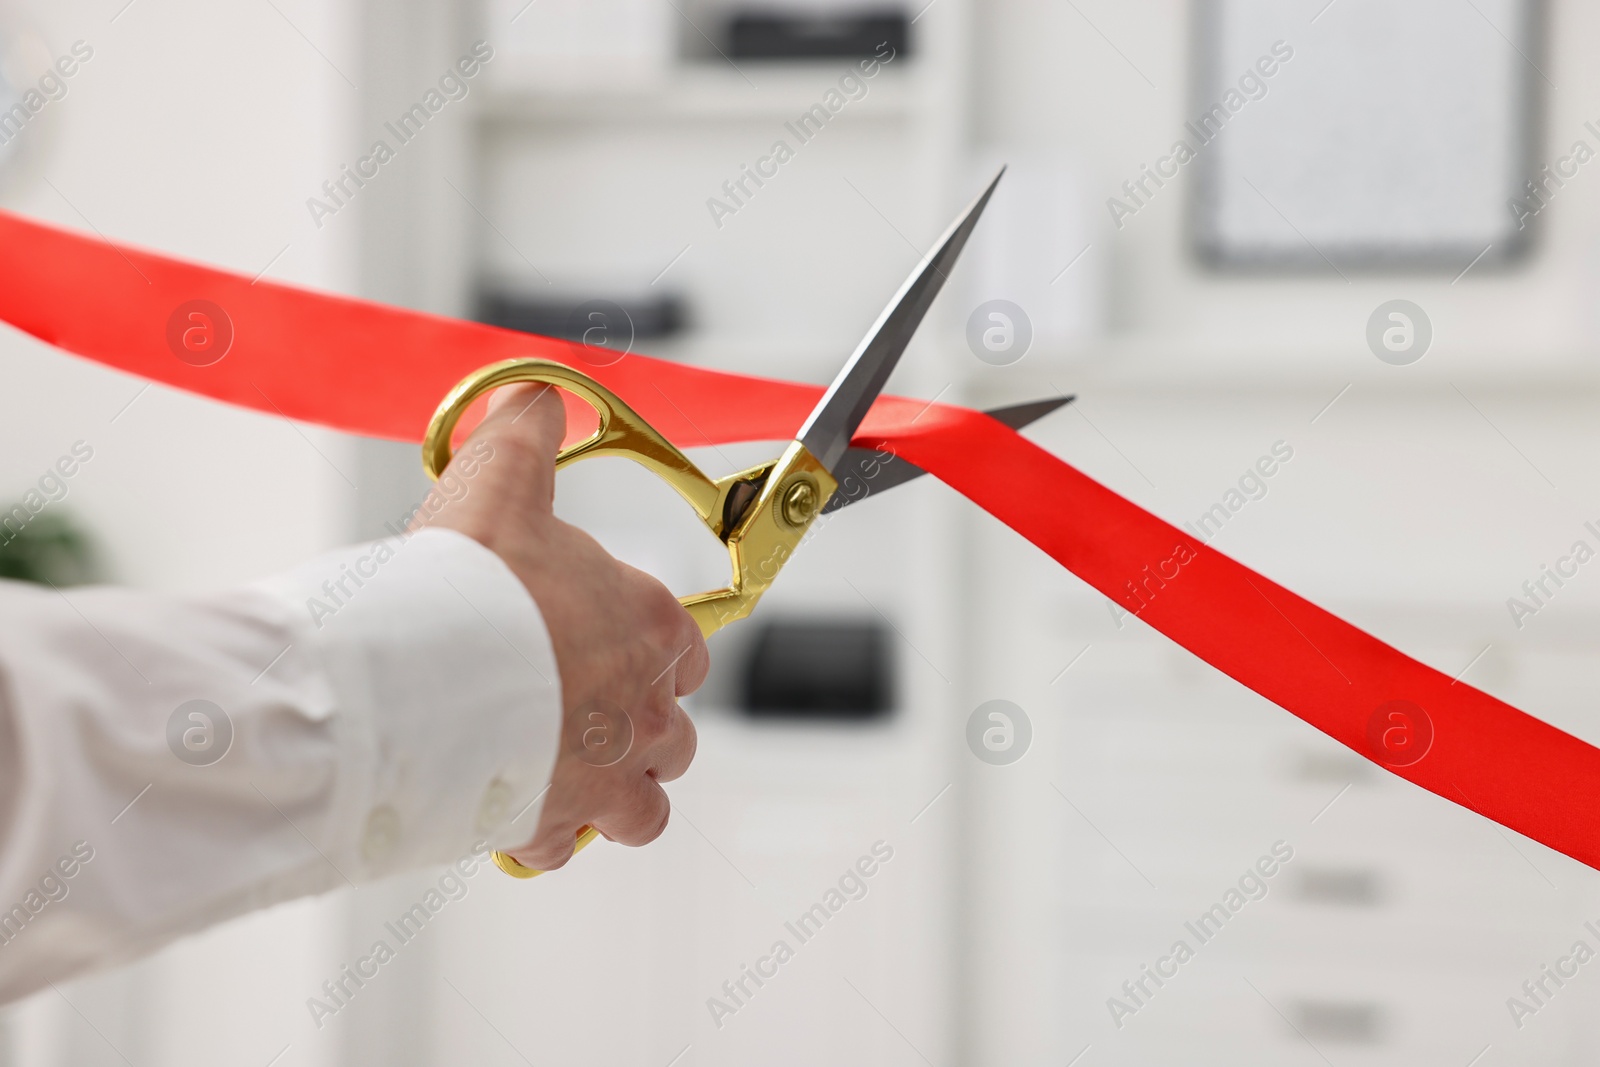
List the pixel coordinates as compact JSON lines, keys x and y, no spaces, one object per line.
{"x":799,"y":503}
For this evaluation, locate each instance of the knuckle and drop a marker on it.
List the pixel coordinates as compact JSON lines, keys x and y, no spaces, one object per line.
{"x":660,"y":618}
{"x":691,"y":741}
{"x":652,"y":821}
{"x":643,"y":819}
{"x":543,"y":857}
{"x":660,"y":825}
{"x":694,"y":667}
{"x":653,"y":718}
{"x":675,"y":757}
{"x":664,"y":619}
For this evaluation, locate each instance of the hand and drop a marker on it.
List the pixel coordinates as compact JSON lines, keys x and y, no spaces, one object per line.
{"x":624,"y":646}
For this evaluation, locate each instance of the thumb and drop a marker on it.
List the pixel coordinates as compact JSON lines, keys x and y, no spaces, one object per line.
{"x":525,"y":423}
{"x":535,"y":408}
{"x":489,"y":501}
{"x":529,"y":419}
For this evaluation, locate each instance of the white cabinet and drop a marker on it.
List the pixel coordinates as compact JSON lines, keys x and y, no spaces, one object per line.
{"x":1403,"y":923}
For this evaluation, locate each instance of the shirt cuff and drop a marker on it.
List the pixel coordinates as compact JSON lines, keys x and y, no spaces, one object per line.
{"x":447,"y":700}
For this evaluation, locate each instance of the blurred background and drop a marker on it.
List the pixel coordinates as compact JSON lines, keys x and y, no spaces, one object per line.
{"x":1356,"y":242}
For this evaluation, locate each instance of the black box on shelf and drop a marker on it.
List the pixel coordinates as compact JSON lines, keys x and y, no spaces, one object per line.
{"x":817,"y":35}
{"x":594,"y":321}
{"x":819,"y":669}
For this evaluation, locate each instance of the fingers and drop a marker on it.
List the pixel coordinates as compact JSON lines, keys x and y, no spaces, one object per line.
{"x":690,"y":672}
{"x":625,"y":801}
{"x":640,"y":814}
{"x":663,"y":733}
{"x":671,"y":756}
{"x":637,"y":812}
{"x":638,"y":808}
{"x":549,"y":851}
{"x":674,"y":634}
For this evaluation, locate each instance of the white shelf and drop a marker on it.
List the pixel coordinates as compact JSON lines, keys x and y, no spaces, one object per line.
{"x":704,"y":91}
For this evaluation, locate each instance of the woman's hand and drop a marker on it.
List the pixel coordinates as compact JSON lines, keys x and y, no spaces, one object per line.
{"x":625,"y":648}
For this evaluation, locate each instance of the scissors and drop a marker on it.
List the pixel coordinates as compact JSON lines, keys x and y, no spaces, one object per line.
{"x":760,"y":514}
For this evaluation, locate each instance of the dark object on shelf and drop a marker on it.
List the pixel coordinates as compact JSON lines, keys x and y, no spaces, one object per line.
{"x":597,"y":322}
{"x":818,"y":36}
{"x":47,"y":549}
{"x":819,"y":669}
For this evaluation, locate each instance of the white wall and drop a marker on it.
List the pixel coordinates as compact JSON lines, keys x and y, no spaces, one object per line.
{"x":1405,"y":509}
{"x":196,"y":129}
{"x":1047,"y":75}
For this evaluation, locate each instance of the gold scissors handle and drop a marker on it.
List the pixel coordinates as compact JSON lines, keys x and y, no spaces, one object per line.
{"x":516,"y":870}
{"x":760,"y":514}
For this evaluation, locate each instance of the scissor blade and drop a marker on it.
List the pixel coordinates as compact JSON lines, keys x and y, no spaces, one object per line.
{"x":827,"y":432}
{"x":863,"y":472}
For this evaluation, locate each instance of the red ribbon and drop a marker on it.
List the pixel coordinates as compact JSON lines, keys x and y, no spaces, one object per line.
{"x":370,"y":369}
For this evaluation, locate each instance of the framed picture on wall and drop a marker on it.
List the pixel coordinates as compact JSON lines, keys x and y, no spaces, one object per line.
{"x":1367,"y":134}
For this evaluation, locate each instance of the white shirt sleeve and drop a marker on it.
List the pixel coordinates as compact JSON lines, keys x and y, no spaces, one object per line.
{"x":168,"y":763}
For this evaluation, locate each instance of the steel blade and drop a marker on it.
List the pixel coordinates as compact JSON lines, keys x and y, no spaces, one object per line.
{"x":863,"y":472}
{"x":826,"y":434}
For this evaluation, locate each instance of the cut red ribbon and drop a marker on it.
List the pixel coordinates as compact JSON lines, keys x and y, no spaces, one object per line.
{"x":376,"y":370}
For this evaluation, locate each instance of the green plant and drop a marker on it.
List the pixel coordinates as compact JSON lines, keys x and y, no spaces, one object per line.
{"x":50,"y":550}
